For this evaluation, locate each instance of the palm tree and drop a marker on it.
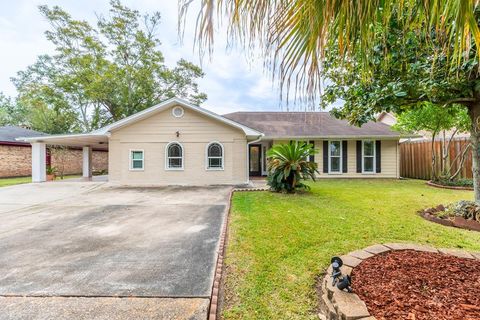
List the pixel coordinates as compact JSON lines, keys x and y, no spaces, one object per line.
{"x":295,"y":34}
{"x":288,"y":164}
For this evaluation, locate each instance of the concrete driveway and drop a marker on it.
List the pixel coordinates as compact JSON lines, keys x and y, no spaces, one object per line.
{"x":77,"y":240}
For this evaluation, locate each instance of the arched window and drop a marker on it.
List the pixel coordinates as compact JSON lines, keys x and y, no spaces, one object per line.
{"x":174,"y":156}
{"x":214,"y":156}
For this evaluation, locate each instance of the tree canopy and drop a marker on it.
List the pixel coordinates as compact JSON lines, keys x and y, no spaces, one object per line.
{"x":434,"y":119}
{"x":100,"y":73}
{"x":414,"y":70}
{"x":443,"y":123}
{"x":409,"y":70}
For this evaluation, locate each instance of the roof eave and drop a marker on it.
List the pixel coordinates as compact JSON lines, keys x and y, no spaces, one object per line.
{"x":327,"y":137}
{"x":58,"y":136}
{"x":14,"y":143}
{"x":411,"y":136}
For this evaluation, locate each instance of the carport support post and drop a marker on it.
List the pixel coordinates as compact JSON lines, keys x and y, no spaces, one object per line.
{"x":39,"y":162}
{"x":87,"y":163}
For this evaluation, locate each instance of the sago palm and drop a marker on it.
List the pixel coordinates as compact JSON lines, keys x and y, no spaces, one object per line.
{"x":288,"y":164}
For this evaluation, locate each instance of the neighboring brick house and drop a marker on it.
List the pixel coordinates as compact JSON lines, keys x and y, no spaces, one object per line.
{"x":16,"y":156}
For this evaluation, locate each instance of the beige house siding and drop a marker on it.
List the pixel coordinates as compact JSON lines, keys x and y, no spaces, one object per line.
{"x":389,"y":162}
{"x":195,"y":132}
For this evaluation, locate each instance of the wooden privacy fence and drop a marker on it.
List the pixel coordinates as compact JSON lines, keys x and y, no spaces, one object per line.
{"x":416,"y":158}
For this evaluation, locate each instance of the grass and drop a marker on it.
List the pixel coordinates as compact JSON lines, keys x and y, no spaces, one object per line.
{"x":279,"y":244}
{"x":4,"y":182}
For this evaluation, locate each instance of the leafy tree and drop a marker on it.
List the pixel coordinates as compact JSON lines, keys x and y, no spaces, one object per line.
{"x":408,"y":69}
{"x":288,"y":164}
{"x":437,"y":120}
{"x":103,"y":73}
{"x":44,"y":106}
{"x":10,"y":112}
{"x":60,"y":154}
{"x":5,"y":106}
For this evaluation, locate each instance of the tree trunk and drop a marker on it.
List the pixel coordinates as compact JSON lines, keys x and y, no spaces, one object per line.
{"x":434,"y":158}
{"x":474,"y":112}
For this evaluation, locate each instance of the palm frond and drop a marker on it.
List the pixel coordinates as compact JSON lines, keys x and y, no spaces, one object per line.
{"x":287,"y":164}
{"x":296,"y":34}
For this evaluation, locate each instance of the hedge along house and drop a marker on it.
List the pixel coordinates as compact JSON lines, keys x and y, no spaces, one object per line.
{"x":177,"y":143}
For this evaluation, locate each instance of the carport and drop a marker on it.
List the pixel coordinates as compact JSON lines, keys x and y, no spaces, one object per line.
{"x":87,"y":142}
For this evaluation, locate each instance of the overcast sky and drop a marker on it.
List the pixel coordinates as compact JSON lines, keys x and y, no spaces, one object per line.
{"x":231,"y":82}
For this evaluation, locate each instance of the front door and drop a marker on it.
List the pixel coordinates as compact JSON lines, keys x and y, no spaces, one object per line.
{"x":254,"y":156}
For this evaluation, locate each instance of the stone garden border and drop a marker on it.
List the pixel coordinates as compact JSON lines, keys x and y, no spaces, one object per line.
{"x":336,"y":304}
{"x":248,"y":189}
{"x":457,"y":222}
{"x":441,"y":186}
{"x":213,"y":308}
{"x":218,"y":278}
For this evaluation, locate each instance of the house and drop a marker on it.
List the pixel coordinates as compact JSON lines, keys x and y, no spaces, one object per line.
{"x":176,"y":142}
{"x":16,"y":156}
{"x":387,"y":118}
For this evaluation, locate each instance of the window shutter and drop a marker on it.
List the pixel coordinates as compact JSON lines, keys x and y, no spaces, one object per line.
{"x":359,"y":156}
{"x":378,"y":156}
{"x":344,"y":156}
{"x":325,"y":156}
{"x":312,"y":157}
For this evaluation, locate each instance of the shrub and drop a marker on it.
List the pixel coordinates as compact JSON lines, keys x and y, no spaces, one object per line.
{"x":288,"y":164}
{"x":455,"y":182}
{"x":51,"y":170}
{"x":466,"y":209}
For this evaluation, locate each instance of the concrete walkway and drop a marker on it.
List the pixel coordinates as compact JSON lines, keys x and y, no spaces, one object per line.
{"x":91,"y":243}
{"x":26,"y":308}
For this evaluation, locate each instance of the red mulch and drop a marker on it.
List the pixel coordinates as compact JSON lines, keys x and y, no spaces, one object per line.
{"x":419,"y":285}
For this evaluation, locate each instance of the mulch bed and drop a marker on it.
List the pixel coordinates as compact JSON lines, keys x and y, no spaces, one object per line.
{"x":419,"y":285}
{"x":457,"y":222}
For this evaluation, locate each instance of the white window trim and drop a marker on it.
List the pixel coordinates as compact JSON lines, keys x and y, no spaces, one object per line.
{"x":178,"y":108}
{"x":374,"y":158}
{"x":206,"y":157}
{"x":131,"y":160}
{"x":166,"y":157}
{"x":330,"y":157}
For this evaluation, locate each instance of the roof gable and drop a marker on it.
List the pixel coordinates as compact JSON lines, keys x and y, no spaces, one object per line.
{"x":168,"y":104}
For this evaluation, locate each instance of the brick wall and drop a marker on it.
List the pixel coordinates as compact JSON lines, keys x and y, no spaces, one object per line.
{"x":16,"y":161}
{"x":71,"y":160}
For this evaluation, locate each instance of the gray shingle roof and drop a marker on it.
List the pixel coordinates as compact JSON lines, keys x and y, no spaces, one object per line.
{"x":10,"y":133}
{"x":308,"y":124}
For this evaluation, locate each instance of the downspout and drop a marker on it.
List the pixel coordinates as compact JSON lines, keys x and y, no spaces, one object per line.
{"x":248,"y":156}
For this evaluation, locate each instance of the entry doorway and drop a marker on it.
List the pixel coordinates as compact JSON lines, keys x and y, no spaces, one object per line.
{"x":255,"y":160}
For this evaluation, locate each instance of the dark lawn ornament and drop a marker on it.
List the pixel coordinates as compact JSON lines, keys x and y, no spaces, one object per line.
{"x":340,"y":281}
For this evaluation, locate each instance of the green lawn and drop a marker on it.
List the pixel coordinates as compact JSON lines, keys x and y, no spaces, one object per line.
{"x":11,"y":181}
{"x":278,"y":244}
{"x":4,"y":182}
